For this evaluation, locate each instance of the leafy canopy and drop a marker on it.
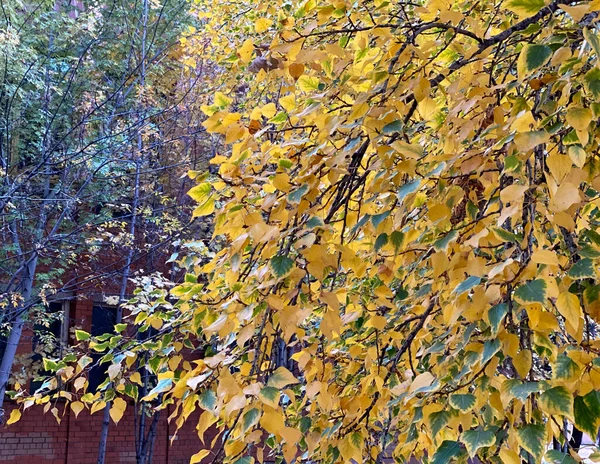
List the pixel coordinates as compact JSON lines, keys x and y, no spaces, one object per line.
{"x":406,"y":210}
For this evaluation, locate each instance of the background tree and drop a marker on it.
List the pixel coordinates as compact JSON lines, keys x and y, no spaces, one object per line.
{"x":92,"y":157}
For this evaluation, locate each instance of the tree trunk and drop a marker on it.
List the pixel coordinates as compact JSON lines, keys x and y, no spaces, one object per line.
{"x":137,"y":155}
{"x":14,"y":338}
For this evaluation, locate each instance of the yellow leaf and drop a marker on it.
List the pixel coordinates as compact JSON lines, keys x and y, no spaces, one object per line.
{"x":291,"y":435}
{"x":15,"y":415}
{"x":512,"y":192}
{"x":262,"y":24}
{"x":205,"y":209}
{"x":579,"y":118}
{"x":568,"y":306}
{"x":118,"y":409}
{"x":221,"y":100}
{"x":245,"y":52}
{"x":199,"y":456}
{"x":77,"y":407}
{"x":200,"y":193}
{"x":577,"y":155}
{"x":566,"y":196}
{"x":288,"y":102}
{"x":559,"y":165}
{"x":272,"y":421}
{"x":331,"y":323}
{"x":136,"y":378}
{"x":348,"y":451}
{"x":97,"y":407}
{"x":308,"y":83}
{"x":576,"y":12}
{"x":281,"y":378}
{"x":526,"y":141}
{"x":269,"y":110}
{"x":422,"y":380}
{"x":427,"y":108}
{"x":508,"y":456}
{"x":544,"y":257}
{"x":522,"y":363}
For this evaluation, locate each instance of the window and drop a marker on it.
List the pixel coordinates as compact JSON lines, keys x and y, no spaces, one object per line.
{"x":104,"y":319}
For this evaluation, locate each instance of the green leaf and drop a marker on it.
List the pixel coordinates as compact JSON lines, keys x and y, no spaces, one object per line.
{"x":520,"y":390}
{"x":279,"y":118}
{"x":296,"y":195}
{"x":511,"y":163}
{"x":582,"y":269}
{"x":395,"y":126}
{"x":250,"y":419}
{"x":285,"y":163}
{"x":442,"y":243}
{"x":532,"y":58}
{"x":447,"y":450}
{"x":591,"y":82}
{"x":396,"y":239}
{"x":377,"y":219}
{"x":531,"y":292}
{"x":82,"y":335}
{"x":565,"y":368}
{"x":462,"y":402}
{"x":478,"y":438}
{"x":592,"y":39}
{"x":438,"y":420}
{"x":467,"y":285}
{"x":315,"y":222}
{"x":505,"y":235}
{"x":496,"y":315}
{"x":557,"y":457}
{"x":587,"y":413}
{"x":208,"y":400}
{"x":490,"y":348}
{"x":120,"y":327}
{"x":381,"y":241}
{"x":557,"y":401}
{"x":50,"y":365}
{"x":532,"y":439}
{"x":281,"y":265}
{"x":244,"y":460}
{"x":162,"y":386}
{"x":407,"y":189}
{"x":270,"y":395}
{"x":525,"y":8}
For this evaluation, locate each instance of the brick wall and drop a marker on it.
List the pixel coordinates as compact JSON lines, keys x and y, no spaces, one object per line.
{"x":38,"y":439}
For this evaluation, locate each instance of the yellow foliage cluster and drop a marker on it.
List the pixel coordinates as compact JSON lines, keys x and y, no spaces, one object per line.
{"x":407,"y":202}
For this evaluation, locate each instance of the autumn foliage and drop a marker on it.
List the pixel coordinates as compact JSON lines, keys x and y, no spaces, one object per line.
{"x":405,"y":248}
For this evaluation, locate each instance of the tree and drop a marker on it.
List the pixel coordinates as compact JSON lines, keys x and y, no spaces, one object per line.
{"x":71,"y":193}
{"x":406,"y":208}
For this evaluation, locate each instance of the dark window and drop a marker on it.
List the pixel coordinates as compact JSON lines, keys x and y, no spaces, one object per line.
{"x":104,"y":319}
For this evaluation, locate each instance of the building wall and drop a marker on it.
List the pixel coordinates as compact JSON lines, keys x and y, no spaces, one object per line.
{"x":38,"y":439}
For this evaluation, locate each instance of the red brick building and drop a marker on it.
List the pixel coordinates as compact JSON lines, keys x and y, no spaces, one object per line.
{"x":38,"y":438}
